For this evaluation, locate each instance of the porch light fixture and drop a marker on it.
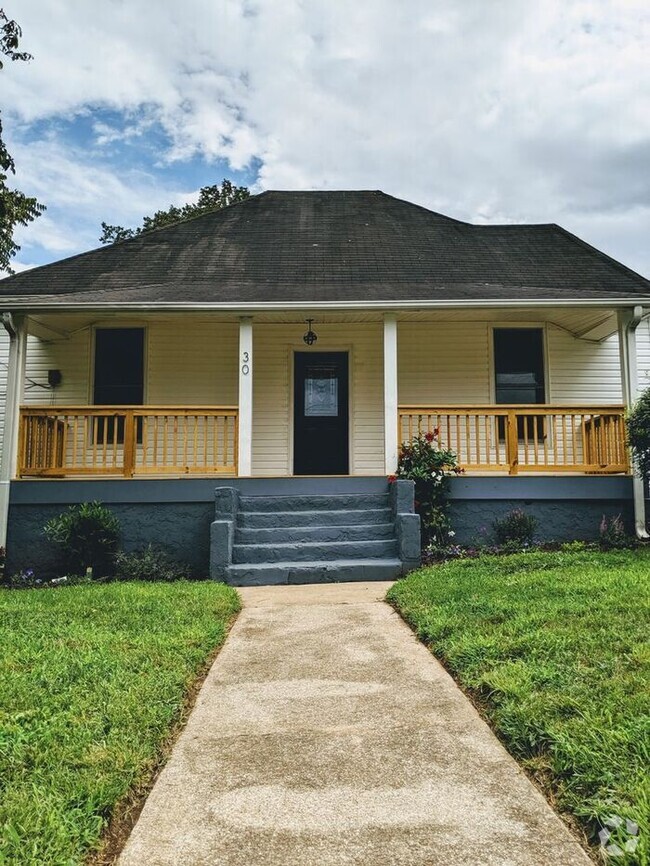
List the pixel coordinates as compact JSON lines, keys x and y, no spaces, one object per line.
{"x":310,"y":337}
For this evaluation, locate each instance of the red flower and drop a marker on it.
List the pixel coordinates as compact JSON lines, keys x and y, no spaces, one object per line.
{"x":436,"y":432}
{"x":430,"y":436}
{"x":392,"y":478}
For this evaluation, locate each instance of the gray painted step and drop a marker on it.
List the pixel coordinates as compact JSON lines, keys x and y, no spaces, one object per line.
{"x":345,"y":532}
{"x":337,"y":502}
{"x":265,"y":574}
{"x":278,"y":519}
{"x":314,"y":552}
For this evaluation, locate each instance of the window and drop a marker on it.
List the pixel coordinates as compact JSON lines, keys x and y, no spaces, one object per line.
{"x":519,"y":373}
{"x":119,"y":366}
{"x":119,"y":375}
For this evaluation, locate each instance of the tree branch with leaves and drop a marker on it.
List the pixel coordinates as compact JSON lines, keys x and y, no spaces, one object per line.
{"x":16,"y":208}
{"x":211,"y":198}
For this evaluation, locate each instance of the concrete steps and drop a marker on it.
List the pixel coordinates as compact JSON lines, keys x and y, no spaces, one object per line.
{"x":314,"y":551}
{"x":335,"y":534}
{"x":329,"y":532}
{"x":334,"y":517}
{"x":334,"y":571}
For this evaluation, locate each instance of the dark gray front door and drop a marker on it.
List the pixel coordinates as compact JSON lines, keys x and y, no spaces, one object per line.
{"x":320,"y":428}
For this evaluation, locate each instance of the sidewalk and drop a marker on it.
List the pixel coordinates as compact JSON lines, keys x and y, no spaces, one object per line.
{"x":326,"y":734}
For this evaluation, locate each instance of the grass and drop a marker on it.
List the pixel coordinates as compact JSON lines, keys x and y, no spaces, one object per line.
{"x":92,"y":679}
{"x":554,"y":649}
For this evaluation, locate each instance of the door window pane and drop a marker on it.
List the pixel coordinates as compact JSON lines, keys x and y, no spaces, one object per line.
{"x":321,"y":392}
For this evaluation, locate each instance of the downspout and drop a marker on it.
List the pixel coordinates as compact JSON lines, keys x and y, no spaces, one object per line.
{"x":632,"y":380}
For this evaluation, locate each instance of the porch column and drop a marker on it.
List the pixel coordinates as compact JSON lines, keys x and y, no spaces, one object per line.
{"x":391,"y":445}
{"x":245,"y":441}
{"x":15,"y":327}
{"x":628,"y":321}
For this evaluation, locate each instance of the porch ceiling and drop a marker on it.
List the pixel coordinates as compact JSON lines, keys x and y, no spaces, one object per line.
{"x":591,"y":323}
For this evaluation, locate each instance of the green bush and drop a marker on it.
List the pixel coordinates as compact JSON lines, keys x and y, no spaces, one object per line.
{"x":87,"y":536}
{"x":638,"y":433}
{"x":515,"y":529}
{"x":150,"y":564}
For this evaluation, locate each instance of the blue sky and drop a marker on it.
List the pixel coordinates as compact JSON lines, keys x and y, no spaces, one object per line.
{"x":499,"y":112}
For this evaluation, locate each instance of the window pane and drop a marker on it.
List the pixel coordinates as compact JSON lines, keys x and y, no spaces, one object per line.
{"x":519,"y":365}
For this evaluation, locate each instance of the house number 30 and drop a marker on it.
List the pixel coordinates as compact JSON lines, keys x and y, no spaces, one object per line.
{"x":245,"y":367}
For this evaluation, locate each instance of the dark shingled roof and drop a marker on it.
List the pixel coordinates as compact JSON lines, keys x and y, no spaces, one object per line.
{"x":310,"y":247}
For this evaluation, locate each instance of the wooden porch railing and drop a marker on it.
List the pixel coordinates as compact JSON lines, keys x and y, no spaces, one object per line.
{"x":127,"y":440}
{"x":532,"y":438}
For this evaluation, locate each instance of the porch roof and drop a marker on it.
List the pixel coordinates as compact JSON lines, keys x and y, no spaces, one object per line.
{"x":339,"y":248}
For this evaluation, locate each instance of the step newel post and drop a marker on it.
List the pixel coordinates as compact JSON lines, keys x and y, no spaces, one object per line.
{"x":245,"y":423}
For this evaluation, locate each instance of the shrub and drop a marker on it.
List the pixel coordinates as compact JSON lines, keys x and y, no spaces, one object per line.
{"x":612,"y":535}
{"x":150,"y":564}
{"x":87,"y":536}
{"x":638,"y":433}
{"x":516,"y":529}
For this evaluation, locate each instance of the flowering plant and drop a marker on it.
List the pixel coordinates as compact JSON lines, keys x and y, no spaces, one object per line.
{"x":424,"y":461}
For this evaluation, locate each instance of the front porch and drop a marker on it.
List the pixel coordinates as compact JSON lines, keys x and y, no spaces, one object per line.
{"x":226,"y":396}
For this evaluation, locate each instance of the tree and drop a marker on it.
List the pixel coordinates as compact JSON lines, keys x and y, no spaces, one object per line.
{"x":16,"y":208}
{"x":211,"y":198}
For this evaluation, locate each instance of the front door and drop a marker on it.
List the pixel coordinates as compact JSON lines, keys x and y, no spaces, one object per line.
{"x":320,"y":426}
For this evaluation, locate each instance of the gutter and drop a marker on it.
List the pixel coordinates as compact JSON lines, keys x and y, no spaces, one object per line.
{"x":638,"y":482}
{"x":18,"y":303}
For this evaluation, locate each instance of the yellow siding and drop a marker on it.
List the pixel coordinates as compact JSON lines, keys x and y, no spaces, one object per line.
{"x":444,"y":363}
{"x":582,"y":372}
{"x":192,"y":364}
{"x":71,"y":357}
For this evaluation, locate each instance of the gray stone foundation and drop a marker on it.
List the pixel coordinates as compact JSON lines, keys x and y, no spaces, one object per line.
{"x":176,"y":514}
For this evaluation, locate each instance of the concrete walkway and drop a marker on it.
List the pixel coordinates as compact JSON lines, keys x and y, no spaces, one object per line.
{"x":326,"y":734}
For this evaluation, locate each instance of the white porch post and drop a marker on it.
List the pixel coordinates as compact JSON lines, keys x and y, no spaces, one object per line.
{"x":15,"y":326}
{"x":245,"y":442}
{"x":628,"y":321}
{"x":390,"y":393}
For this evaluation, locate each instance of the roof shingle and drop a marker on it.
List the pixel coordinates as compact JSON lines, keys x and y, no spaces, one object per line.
{"x":331,"y":246}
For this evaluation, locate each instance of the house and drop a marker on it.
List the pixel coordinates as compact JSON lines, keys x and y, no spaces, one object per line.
{"x":281,"y":349}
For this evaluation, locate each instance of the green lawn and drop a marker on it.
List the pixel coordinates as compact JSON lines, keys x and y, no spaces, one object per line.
{"x":92,"y":678}
{"x":554,"y":648}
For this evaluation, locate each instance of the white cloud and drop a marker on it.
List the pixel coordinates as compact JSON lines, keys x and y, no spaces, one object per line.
{"x":504,"y":111}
